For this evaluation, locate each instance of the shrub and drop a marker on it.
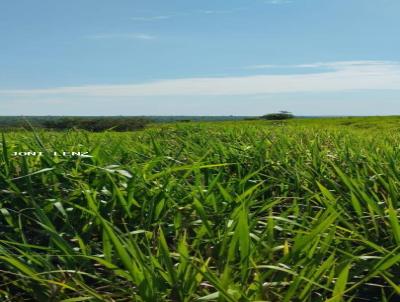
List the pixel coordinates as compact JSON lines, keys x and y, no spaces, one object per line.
{"x":282,"y":115}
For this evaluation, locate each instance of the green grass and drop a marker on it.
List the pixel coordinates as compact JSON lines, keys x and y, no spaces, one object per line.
{"x":305,"y":210}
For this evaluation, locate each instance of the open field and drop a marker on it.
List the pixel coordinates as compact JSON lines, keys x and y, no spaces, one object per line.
{"x":305,"y":210}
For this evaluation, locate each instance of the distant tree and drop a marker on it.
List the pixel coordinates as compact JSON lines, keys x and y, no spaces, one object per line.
{"x":281,"y":115}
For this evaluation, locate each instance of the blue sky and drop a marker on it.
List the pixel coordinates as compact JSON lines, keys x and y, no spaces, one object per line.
{"x":182,"y":57}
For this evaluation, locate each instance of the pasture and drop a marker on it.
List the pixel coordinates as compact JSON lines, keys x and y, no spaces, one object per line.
{"x":303,"y":210}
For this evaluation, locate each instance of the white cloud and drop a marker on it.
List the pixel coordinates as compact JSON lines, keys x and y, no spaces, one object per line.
{"x":332,"y":65}
{"x":134,"y":36}
{"x":343,"y":76}
{"x":151,"y":18}
{"x":171,"y":15}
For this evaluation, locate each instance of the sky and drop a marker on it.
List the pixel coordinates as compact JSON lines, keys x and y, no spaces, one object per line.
{"x":209,"y":57}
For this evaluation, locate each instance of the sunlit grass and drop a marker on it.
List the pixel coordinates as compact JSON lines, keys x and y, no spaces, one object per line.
{"x":251,"y":211}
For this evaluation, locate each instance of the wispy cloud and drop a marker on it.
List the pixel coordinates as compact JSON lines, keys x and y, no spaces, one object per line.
{"x":332,"y":65}
{"x":278,"y":1}
{"x":218,"y":12}
{"x":152,"y":18}
{"x":343,"y":76}
{"x":135,"y":36}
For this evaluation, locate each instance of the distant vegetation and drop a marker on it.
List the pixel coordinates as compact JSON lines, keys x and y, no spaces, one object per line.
{"x":101,"y":123}
{"x":94,"y":124}
{"x":282,"y":115}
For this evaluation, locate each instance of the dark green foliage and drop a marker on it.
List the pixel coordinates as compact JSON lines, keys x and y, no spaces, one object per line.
{"x":282,"y":115}
{"x":96,"y":124}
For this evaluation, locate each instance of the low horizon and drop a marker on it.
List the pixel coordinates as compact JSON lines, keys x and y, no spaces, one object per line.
{"x":119,"y":115}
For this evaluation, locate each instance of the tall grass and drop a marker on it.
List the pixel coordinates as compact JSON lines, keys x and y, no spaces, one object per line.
{"x":206,"y":212}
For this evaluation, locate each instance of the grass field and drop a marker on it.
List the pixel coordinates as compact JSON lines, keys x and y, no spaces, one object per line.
{"x":305,"y":210}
